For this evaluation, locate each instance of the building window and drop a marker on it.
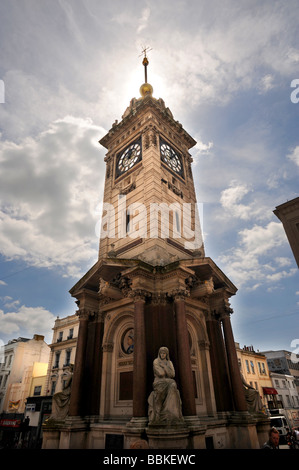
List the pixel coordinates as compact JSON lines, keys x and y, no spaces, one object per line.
{"x":255,"y":384}
{"x":284,"y":384}
{"x":71,"y":333}
{"x":5,"y":380}
{"x":53,"y":387}
{"x":276,"y":383}
{"x":67,"y":357}
{"x":1,"y":377}
{"x":280,"y":398}
{"x":9,"y":360}
{"x":57,"y":356}
{"x":263,"y":368}
{"x":252,"y":367}
{"x":288,"y":400}
{"x":247,"y":366}
{"x":260,"y":368}
{"x":37,"y":390}
{"x":60,"y":336}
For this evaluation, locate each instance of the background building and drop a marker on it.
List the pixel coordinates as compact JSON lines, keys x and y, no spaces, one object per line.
{"x":284,"y":362}
{"x":32,"y":384}
{"x":286,"y":389}
{"x":18,"y":355}
{"x":254,"y":368}
{"x":63,"y":352}
{"x":22,"y":372}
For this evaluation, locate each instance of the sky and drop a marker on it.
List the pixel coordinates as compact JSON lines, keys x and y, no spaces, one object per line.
{"x":227,"y":70}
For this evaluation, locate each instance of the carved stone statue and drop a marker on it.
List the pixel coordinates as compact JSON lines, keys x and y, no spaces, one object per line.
{"x":165,"y":407}
{"x":61,"y":400}
{"x":254,"y":402}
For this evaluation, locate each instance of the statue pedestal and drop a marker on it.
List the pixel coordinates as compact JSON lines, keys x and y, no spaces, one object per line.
{"x":134,"y":432}
{"x":70,"y":433}
{"x":242,"y":429}
{"x":167,"y":437}
{"x":196,"y":432}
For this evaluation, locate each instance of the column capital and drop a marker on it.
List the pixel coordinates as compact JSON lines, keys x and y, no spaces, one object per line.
{"x":220,"y":306}
{"x":179,"y":294}
{"x":159,"y":298}
{"x":85,"y":313}
{"x":139,"y":295}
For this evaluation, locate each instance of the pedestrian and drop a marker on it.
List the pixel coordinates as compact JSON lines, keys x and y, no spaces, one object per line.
{"x":273,"y":441}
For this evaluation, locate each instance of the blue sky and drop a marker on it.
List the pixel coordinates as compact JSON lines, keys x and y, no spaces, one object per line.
{"x":224,"y":68}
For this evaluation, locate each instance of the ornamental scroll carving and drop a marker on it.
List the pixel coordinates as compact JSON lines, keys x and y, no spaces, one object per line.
{"x":220,"y":306}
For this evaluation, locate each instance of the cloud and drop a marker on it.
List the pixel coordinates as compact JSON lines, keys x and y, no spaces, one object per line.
{"x":13,"y":304}
{"x":144,"y":19}
{"x":294,"y":155}
{"x":282,"y":261}
{"x":266,"y":83}
{"x":48,"y":194}
{"x":2,"y":283}
{"x":231,"y":198}
{"x":27,"y":321}
{"x":251,"y":263}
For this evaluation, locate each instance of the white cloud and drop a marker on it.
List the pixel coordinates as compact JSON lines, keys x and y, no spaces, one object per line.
{"x":11,"y":305}
{"x":144,"y":19}
{"x":266,"y":83}
{"x":231,"y":198}
{"x":294,"y":155}
{"x":27,"y":321}
{"x":50,"y":189}
{"x":250,"y":264}
{"x":282,"y":261}
{"x":202,"y":147}
{"x":2,"y":283}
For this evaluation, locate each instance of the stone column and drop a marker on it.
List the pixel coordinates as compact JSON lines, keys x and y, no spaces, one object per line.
{"x":97,"y":365}
{"x":139,"y":367}
{"x":220,"y":372}
{"x":204,"y":348}
{"x":235,"y":376}
{"x":78,"y":375}
{"x":184,"y":358}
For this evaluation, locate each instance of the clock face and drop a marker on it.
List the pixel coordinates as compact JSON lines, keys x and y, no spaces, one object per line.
{"x":171,"y":158}
{"x":128,"y":158}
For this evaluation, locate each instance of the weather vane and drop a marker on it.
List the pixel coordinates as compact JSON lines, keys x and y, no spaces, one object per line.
{"x":145,"y":60}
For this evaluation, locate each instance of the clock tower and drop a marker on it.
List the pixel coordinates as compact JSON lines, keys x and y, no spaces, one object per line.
{"x":150,"y":210}
{"x":153,"y":287}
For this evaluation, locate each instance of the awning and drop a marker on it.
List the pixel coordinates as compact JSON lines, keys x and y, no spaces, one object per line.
{"x":269,"y":391}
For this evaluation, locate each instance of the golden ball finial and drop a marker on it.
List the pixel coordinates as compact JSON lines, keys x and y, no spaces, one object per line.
{"x":146,"y":89}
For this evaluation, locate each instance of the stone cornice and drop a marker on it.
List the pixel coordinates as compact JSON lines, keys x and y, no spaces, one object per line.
{"x":133,"y":114}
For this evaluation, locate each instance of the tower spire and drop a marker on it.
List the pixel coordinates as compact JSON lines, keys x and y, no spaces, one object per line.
{"x":146,"y":88}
